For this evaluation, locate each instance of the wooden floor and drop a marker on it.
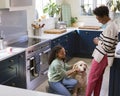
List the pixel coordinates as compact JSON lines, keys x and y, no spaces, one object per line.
{"x":104,"y":89}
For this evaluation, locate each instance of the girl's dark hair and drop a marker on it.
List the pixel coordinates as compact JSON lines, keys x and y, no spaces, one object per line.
{"x":101,"y":11}
{"x":53,"y":53}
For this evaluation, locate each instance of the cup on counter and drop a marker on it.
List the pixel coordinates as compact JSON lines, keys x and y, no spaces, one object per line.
{"x":9,"y":49}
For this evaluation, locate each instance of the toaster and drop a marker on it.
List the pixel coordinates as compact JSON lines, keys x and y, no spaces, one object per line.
{"x":61,"y":25}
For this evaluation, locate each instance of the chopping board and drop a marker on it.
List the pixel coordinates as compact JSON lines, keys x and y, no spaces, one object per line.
{"x":90,"y":27}
{"x":55,"y":31}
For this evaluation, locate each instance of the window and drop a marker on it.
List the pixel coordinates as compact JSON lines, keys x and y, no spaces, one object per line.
{"x":88,"y":5}
{"x":39,"y":5}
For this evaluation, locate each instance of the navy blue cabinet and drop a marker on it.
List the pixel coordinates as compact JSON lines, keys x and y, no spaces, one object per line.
{"x":86,"y":45}
{"x":11,"y":70}
{"x":114,"y":83}
{"x":68,"y":41}
{"x":73,"y":45}
{"x":77,"y":43}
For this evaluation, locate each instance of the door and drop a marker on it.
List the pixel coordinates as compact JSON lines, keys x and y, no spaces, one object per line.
{"x":86,"y":42}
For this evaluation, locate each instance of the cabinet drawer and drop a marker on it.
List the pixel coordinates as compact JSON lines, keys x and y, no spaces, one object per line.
{"x":8,"y":62}
{"x":8,"y":69}
{"x":8,"y":73}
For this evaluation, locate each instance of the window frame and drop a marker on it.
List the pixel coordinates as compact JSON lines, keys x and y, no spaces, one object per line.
{"x":94,"y":5}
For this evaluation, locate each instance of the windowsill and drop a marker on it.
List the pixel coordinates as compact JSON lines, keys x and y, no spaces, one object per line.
{"x":88,"y":16}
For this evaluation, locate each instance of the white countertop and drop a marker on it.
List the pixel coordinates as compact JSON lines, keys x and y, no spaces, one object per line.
{"x":5,"y":53}
{"x":53,"y":36}
{"x":12,"y":91}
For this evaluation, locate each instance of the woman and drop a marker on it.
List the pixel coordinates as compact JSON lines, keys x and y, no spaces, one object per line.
{"x":58,"y":74}
{"x":103,"y":54}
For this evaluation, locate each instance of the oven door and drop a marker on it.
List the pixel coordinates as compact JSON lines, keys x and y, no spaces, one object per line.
{"x":34,"y":67}
{"x":44,"y":64}
{"x":33,"y":71}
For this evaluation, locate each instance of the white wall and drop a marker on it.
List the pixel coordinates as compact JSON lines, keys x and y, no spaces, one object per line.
{"x":30,"y":17}
{"x":75,"y":8}
{"x":49,"y":23}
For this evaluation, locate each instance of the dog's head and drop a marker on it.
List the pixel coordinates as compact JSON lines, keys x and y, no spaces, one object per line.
{"x":81,"y":65}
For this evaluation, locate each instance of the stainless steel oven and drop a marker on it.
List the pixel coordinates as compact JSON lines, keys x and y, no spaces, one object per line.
{"x":37,"y":52}
{"x":37,"y":64}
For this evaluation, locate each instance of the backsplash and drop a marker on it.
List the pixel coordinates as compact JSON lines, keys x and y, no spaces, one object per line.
{"x":13,"y":25}
{"x":49,"y":24}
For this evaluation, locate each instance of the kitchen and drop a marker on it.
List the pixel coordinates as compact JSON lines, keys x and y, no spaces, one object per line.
{"x":15,"y":25}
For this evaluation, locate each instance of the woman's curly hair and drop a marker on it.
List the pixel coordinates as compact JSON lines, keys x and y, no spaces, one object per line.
{"x":101,"y":11}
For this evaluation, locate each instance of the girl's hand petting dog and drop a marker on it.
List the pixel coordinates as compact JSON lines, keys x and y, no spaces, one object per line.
{"x":77,"y":70}
{"x":69,"y":72}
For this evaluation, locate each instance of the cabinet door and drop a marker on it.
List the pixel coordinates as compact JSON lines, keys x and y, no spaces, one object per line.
{"x":73,"y":46}
{"x":59,"y":41}
{"x":86,"y":42}
{"x":63,"y":41}
{"x":21,"y":80}
{"x":14,"y":3}
{"x":8,"y":69}
{"x":12,"y":71}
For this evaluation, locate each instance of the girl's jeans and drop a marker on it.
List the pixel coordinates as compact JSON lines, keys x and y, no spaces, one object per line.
{"x":96,"y":76}
{"x":62,"y":86}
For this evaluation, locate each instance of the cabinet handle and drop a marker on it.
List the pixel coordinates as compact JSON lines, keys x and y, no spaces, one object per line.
{"x":86,"y":33}
{"x":58,"y":39}
{"x":48,"y":50}
{"x":40,"y":54}
{"x":13,"y":84}
{"x":21,"y":56}
{"x":12,"y":61}
{"x":10,"y":67}
{"x":66,"y":36}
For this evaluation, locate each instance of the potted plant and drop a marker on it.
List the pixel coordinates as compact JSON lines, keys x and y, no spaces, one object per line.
{"x":114,"y":5}
{"x":52,"y":9}
{"x":74,"y":21}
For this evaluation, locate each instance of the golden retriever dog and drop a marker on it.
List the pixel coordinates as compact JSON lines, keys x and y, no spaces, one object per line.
{"x":81,"y":76}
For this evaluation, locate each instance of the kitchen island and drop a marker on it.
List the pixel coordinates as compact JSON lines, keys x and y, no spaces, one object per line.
{"x":114,"y":82}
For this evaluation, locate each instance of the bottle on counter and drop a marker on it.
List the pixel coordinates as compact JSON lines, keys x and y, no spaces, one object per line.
{"x":1,"y":43}
{"x":1,"y":40}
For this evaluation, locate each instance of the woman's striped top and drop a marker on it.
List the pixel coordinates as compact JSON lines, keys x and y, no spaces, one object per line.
{"x":107,"y":43}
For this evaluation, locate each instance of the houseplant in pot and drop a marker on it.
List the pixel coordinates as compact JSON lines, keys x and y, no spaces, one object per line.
{"x":114,"y":5}
{"x":52,"y":9}
{"x":74,"y":21}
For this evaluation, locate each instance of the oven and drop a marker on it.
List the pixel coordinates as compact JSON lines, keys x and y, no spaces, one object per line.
{"x":36,"y":55}
{"x":37,"y":64}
